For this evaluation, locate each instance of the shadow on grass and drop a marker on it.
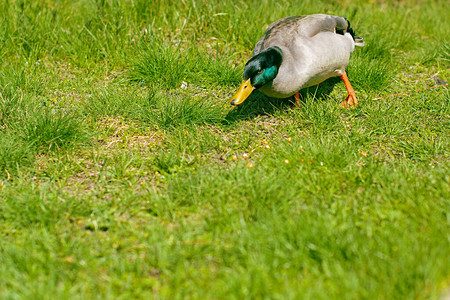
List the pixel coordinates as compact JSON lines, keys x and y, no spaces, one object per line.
{"x":258,"y":104}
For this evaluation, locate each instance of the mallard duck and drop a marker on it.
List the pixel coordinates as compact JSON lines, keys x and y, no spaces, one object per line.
{"x":298,"y":52}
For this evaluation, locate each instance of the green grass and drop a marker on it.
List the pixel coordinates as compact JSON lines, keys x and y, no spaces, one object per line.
{"x":125,"y":173}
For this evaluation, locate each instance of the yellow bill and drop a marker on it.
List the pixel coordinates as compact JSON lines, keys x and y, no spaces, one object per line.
{"x":244,"y":91}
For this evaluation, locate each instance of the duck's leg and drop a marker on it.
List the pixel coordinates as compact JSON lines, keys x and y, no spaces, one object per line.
{"x":350,"y":101}
{"x":297,"y":99}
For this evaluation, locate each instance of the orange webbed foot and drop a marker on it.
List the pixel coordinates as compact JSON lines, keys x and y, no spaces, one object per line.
{"x":350,"y":101}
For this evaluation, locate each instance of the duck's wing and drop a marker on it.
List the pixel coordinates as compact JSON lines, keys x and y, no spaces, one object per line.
{"x":279,"y":32}
{"x":285,"y":30}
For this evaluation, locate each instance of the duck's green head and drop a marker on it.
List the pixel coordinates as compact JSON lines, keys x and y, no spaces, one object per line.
{"x":259,"y":70}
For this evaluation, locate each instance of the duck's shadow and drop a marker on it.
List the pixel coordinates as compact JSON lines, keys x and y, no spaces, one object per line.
{"x":258,"y":104}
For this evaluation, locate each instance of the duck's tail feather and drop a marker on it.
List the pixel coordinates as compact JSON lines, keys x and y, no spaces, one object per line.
{"x":358,"y":40}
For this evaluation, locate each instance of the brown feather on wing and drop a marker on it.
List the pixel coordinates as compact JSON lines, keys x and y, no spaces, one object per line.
{"x":307,"y":26}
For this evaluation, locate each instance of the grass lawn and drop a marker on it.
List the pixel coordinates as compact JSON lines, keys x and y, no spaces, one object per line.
{"x":125,"y":172}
